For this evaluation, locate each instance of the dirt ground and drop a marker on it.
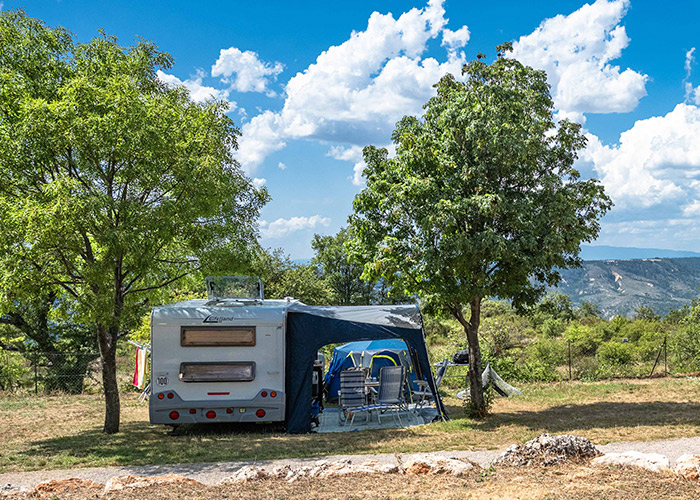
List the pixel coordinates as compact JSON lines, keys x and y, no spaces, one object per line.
{"x":565,"y":482}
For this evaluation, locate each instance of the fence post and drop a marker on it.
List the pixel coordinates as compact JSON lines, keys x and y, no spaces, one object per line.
{"x":36,"y":386}
{"x":569,"y":360}
{"x":665,"y":361}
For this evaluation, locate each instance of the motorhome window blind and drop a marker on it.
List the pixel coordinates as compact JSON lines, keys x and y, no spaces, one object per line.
{"x":235,"y":371}
{"x":214,"y":336}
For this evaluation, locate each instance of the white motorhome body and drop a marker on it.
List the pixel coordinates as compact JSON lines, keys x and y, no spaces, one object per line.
{"x":218,"y":361}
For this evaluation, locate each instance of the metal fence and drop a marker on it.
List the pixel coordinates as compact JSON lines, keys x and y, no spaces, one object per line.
{"x":53,"y":372}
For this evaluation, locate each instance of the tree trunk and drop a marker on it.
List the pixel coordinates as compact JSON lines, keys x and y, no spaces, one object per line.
{"x":107,"y":338}
{"x":476,"y":390}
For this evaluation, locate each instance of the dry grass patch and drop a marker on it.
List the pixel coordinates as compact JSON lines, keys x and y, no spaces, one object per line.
{"x":65,"y":431}
{"x":565,"y":482}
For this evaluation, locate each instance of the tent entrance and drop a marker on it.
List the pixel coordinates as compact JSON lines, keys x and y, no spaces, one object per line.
{"x":310,"y":327}
{"x":370,"y":355}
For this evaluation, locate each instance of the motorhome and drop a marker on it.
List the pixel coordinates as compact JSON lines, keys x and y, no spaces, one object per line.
{"x":238,"y":357}
{"x":219,"y":359}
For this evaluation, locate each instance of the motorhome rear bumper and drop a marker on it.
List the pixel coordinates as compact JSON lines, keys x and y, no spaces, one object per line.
{"x":225,"y":410}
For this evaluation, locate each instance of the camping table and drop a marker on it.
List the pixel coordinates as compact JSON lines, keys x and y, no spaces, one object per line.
{"x":369,"y":384}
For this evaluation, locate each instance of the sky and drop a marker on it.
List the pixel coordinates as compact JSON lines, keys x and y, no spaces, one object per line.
{"x":310,"y":84}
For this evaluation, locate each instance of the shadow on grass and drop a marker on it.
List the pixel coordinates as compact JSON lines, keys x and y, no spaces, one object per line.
{"x":139,"y":443}
{"x":566,"y":418}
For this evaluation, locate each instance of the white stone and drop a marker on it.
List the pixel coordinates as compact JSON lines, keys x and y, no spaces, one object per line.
{"x":650,"y":461}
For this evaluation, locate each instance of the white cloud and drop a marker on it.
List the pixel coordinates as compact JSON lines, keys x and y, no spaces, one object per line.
{"x":281,"y":166}
{"x":198,"y":92}
{"x":692,"y":95}
{"x":356,"y":91}
{"x":259,"y":137}
{"x":284,"y":227}
{"x":455,"y":39}
{"x":576,"y":51}
{"x":258,"y":183}
{"x":353,"y":153}
{"x":656,"y":163}
{"x":245,"y":71}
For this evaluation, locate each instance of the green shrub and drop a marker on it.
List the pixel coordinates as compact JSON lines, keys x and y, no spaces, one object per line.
{"x":551,"y":352}
{"x":615,"y":353}
{"x":552,"y":327}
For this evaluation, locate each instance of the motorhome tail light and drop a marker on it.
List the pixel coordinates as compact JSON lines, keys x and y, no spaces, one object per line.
{"x":211,"y":414}
{"x":263,"y":394}
{"x":229,"y":410}
{"x":161,"y":395}
{"x":174,"y":415}
{"x":170,"y":395}
{"x":192,"y":411}
{"x":260,"y":413}
{"x":273,"y":394}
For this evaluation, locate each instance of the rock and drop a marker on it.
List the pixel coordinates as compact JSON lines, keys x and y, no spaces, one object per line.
{"x":650,"y":461}
{"x":423,"y":464}
{"x":54,"y":487}
{"x":122,"y":482}
{"x":547,"y":450}
{"x":688,"y":467}
{"x":247,"y":473}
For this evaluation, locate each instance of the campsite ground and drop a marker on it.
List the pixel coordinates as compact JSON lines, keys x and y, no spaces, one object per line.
{"x":551,"y":483}
{"x":52,"y":432}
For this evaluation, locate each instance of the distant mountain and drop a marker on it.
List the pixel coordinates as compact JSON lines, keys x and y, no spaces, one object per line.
{"x":617,"y":287}
{"x":603,"y":252}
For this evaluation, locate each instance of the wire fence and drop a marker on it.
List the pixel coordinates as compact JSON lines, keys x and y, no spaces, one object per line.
{"x":58,"y":372}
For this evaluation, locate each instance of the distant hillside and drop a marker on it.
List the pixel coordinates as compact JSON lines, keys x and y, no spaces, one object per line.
{"x":617,"y":287}
{"x":604,"y":252}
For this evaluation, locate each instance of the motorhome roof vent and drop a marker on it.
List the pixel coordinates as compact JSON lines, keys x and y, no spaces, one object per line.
{"x":236,"y":289}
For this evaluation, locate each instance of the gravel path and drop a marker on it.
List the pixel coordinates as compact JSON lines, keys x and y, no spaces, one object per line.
{"x":212,"y":473}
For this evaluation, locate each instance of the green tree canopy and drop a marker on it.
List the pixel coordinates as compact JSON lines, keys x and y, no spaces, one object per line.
{"x":112,"y":184}
{"x":480,"y":200}
{"x":342,"y":274}
{"x":283,"y":278}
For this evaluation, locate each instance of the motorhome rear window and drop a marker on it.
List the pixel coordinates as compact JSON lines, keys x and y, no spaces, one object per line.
{"x":198,"y":336}
{"x":235,"y":371}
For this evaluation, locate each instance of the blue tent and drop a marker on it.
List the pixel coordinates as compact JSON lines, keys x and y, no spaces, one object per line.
{"x":373,"y":354}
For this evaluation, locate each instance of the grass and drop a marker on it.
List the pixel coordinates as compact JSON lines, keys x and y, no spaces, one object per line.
{"x":53,"y":432}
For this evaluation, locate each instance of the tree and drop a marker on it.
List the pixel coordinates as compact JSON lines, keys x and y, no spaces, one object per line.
{"x":588,"y":310}
{"x":48,"y":334}
{"x":282,"y":278}
{"x":342,"y":275}
{"x":480,"y":200}
{"x":112,"y":185}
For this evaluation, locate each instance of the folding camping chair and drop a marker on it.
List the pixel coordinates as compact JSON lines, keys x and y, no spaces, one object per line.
{"x":391,"y":392}
{"x":423,"y":395}
{"x":351,"y":396}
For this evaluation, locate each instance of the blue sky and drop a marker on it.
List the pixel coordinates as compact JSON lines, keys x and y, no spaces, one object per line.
{"x":310,"y":86}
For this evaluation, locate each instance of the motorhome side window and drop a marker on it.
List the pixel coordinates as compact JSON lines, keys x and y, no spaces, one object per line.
{"x":217,"y":336}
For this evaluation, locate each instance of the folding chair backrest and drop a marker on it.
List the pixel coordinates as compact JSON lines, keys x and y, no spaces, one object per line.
{"x":440,"y":373}
{"x":352,"y":388}
{"x":391,"y":382}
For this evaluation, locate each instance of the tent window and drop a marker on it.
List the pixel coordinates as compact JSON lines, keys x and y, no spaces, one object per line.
{"x":217,"y":336}
{"x":218,"y":372}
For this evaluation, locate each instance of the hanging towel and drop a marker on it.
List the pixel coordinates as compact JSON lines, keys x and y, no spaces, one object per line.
{"x":140,"y":369}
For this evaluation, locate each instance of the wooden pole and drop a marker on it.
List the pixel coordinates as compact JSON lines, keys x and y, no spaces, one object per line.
{"x":569,"y":360}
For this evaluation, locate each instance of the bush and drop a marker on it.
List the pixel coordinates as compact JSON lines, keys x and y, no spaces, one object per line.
{"x":551,"y":352}
{"x":553,"y":327}
{"x":12,"y":369}
{"x":512,"y":369}
{"x":615,"y":353}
